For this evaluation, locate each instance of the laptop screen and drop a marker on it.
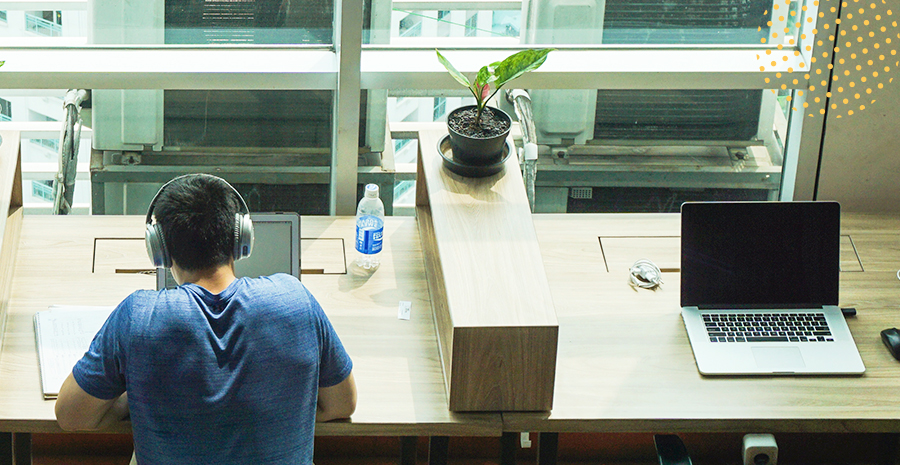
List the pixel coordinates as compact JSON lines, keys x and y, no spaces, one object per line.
{"x":760,"y":254}
{"x":276,"y":249}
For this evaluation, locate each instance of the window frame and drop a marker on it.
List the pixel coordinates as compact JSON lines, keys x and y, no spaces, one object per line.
{"x":349,"y":66}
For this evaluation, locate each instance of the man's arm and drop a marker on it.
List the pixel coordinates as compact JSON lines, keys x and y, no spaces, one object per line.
{"x":338,"y":401}
{"x":76,"y":410}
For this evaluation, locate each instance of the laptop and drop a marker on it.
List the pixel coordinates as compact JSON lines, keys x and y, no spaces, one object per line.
{"x":276,"y":249}
{"x":759,"y":289}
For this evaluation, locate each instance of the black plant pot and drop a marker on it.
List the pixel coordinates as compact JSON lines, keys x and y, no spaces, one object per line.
{"x":485,"y":145}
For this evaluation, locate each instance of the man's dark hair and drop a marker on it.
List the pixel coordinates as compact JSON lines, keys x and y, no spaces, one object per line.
{"x":197,"y":217}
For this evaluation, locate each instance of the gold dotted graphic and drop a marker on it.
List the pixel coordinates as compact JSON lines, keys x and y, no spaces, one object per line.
{"x":873,"y":52}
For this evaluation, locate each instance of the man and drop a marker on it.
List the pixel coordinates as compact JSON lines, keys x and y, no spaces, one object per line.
{"x":219,"y":370}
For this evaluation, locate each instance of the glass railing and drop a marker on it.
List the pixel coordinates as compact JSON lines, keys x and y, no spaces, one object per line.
{"x":41,"y":26}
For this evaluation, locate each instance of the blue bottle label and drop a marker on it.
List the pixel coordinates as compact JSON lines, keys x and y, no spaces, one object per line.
{"x":369,"y":234}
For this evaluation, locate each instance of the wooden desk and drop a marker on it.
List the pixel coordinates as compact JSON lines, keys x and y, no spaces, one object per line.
{"x":625,"y":363}
{"x":396,"y":362}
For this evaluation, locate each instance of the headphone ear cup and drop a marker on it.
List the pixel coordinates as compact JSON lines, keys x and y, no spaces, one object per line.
{"x":156,"y":247}
{"x":243,"y":236}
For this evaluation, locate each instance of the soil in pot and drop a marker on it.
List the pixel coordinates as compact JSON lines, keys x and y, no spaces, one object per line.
{"x":489,"y":126}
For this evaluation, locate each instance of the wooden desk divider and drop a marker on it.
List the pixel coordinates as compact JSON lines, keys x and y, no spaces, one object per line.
{"x":496,"y":324}
{"x":10,"y":216}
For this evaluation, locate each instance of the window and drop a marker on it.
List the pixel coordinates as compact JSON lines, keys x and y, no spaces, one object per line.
{"x":472,"y":25}
{"x":444,"y":22}
{"x":3,"y":15}
{"x":50,"y":144}
{"x":42,"y":190}
{"x":245,"y":22}
{"x":400,"y":143}
{"x":45,"y":23}
{"x":264,"y":99}
{"x":440,"y":108}
{"x":411,"y":26}
{"x":5,"y":110}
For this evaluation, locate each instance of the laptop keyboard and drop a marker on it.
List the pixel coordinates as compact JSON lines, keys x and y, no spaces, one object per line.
{"x":767,"y":327}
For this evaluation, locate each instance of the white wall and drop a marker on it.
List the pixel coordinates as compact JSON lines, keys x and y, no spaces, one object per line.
{"x":861,"y":152}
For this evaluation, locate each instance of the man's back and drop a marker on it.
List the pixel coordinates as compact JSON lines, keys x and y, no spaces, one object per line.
{"x":227,"y":378}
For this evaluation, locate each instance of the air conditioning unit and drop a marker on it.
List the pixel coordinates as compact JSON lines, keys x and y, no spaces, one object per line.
{"x":573,"y":117}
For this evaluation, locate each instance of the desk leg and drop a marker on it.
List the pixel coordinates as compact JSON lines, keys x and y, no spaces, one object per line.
{"x":15,"y":448}
{"x":6,"y":449}
{"x":22,"y":448}
{"x":408,"y":446}
{"x":438,"y":450}
{"x":888,"y":448}
{"x":508,"y":444}
{"x":548,"y":446}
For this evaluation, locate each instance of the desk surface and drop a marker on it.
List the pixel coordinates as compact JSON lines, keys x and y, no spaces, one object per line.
{"x":625,"y":363}
{"x":396,"y":362}
{"x":608,"y":379}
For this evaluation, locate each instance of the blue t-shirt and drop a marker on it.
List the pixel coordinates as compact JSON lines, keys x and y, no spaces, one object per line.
{"x":226,"y":379}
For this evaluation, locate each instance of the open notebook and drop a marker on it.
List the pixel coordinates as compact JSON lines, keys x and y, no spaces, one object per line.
{"x":63,"y":333}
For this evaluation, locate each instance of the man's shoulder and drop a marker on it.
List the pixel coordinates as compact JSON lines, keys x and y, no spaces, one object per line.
{"x":279,"y":281}
{"x":139,"y":299}
{"x":284,"y":279}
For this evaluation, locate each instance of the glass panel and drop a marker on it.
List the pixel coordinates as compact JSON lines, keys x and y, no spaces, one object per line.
{"x":630,"y":150}
{"x":503,"y":24}
{"x":44,"y":23}
{"x":685,"y":22}
{"x":677,"y":114}
{"x":247,"y":119}
{"x":37,"y":25}
{"x":157,"y":22}
{"x":38,"y":196}
{"x":39,"y":114}
{"x":609,"y":22}
{"x":5,"y":110}
{"x":274,"y":146}
{"x":40,"y":142}
{"x":195,"y":22}
{"x":248,"y":21}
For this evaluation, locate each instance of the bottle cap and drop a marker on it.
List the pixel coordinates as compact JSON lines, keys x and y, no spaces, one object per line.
{"x":372,"y":191}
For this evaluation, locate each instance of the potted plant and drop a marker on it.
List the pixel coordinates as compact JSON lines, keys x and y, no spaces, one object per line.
{"x":478,"y":132}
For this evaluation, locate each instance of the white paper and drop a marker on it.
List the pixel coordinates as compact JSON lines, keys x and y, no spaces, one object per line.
{"x":404,"y":311}
{"x":63,"y":334}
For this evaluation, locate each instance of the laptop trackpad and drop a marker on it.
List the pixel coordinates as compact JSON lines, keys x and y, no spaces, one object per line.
{"x":778,"y":359}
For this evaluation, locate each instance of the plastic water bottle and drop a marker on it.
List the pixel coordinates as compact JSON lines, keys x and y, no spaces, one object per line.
{"x":369,"y":229}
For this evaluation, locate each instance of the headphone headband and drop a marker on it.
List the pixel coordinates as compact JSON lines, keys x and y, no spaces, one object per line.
{"x":156,"y":243}
{"x":149,"y":217}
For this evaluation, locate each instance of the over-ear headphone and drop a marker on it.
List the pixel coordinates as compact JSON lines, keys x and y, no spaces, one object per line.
{"x":156,"y":243}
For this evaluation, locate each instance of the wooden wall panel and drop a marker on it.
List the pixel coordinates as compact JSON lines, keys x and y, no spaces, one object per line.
{"x":10,"y":215}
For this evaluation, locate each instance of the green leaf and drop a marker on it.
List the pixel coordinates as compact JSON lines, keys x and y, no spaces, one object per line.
{"x":484,"y":77}
{"x":460,"y":77}
{"x":2,"y":63}
{"x":518,"y":64}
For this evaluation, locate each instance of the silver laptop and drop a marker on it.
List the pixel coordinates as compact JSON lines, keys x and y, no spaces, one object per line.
{"x":759,"y":288}
{"x":276,"y":249}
